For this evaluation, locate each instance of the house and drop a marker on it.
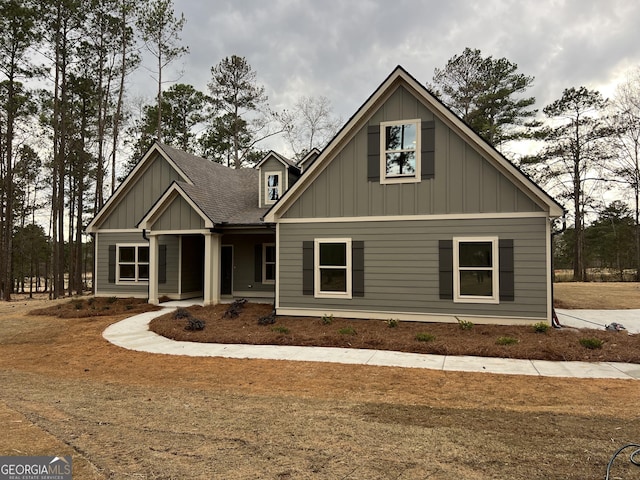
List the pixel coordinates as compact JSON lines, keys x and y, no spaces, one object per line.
{"x":406,"y":214}
{"x":180,"y":226}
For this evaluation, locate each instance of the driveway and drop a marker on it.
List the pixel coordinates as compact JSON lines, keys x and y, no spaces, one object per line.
{"x":598,"y":319}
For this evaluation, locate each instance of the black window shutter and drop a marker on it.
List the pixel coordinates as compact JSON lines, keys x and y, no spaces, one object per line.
{"x":357,"y":273}
{"x":445,"y":254}
{"x":307,"y":268}
{"x":112,"y":264}
{"x":428,"y":153}
{"x":373,"y":153}
{"x":507,"y":282}
{"x":257,"y":269}
{"x":162,"y":263}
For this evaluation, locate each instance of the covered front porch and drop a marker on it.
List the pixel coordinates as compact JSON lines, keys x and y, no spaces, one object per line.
{"x":211,"y":267}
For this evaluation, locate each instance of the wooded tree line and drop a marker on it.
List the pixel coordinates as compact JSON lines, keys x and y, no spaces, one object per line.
{"x":66,"y":119}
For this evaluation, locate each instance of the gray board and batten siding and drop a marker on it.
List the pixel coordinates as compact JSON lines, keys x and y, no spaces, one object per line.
{"x":401,"y":266}
{"x":180,"y":216}
{"x":463,"y":182}
{"x":141,"y":195}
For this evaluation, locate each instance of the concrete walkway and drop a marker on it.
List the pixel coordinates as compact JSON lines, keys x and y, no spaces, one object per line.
{"x":133,"y":333}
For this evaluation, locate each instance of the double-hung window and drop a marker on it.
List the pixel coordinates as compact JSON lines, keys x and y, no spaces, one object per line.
{"x":268,"y":263}
{"x":133,"y":263}
{"x":333,"y":268}
{"x":400,"y":151}
{"x":273,"y":188}
{"x":475,"y":270}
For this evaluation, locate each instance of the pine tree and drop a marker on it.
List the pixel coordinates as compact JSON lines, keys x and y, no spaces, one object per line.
{"x":487,"y":94}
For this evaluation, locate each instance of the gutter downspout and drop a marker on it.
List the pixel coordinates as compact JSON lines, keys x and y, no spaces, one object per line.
{"x":555,"y":323}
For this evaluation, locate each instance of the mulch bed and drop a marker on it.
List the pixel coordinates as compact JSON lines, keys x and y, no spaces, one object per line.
{"x":434,"y":338}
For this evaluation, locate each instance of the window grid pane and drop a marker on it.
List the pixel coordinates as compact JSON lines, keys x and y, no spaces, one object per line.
{"x":127,"y":272}
{"x":333,"y":280}
{"x":127,"y":254}
{"x":476,"y":283}
{"x":333,"y":254}
{"x":143,"y":254}
{"x":475,"y":254}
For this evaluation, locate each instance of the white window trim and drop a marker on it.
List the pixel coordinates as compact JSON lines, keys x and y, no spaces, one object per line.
{"x":264,"y":264}
{"x":266,"y":187}
{"x":316,"y":268}
{"x":417,"y":177}
{"x":135,"y":281}
{"x":495,"y":271}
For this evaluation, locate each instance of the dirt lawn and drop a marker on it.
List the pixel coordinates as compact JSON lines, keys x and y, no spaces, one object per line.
{"x":125,"y":414}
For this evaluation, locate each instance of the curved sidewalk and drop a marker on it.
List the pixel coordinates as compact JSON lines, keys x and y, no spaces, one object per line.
{"x":133,"y":333}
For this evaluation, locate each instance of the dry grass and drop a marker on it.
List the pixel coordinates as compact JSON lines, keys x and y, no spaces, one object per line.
{"x":598,"y":296}
{"x":126,"y":414}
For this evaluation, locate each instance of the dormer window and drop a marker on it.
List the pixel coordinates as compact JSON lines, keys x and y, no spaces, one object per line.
{"x":400,"y":151}
{"x":273,"y":187}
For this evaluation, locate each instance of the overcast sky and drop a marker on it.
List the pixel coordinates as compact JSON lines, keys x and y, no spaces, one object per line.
{"x":344,"y":49}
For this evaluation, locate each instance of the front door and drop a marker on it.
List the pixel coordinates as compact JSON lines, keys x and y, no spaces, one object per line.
{"x":226,"y":270}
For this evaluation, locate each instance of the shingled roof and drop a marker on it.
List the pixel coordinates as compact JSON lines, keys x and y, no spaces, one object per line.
{"x":226,"y":195}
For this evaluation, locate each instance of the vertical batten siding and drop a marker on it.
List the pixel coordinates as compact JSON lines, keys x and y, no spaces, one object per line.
{"x":401,"y":265}
{"x":464,"y":181}
{"x":179,"y":216}
{"x":139,"y":199}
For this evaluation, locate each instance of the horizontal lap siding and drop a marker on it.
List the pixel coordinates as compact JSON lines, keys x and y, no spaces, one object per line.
{"x":244,"y":275}
{"x":401,"y":265}
{"x":103,"y":287}
{"x":170,"y":286}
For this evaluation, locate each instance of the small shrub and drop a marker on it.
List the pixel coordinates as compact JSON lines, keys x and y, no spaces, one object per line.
{"x":425,"y":337}
{"x":465,"y":324}
{"x":268,"y":319}
{"x":181,"y":313}
{"x":591,"y":343}
{"x":78,"y":304}
{"x":195,"y":324}
{"x":506,"y":341}
{"x":280,"y":329}
{"x":327,"y":319}
{"x":540,"y":327}
{"x":128,"y":307}
{"x":235,"y":308}
{"x":392,"y":323}
{"x":91,"y":300}
{"x":112,"y":299}
{"x":347,"y":330}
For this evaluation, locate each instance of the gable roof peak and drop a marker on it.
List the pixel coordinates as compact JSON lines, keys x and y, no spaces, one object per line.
{"x":281,"y":158}
{"x":399,"y":76}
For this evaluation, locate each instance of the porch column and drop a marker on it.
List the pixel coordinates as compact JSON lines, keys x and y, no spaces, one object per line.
{"x":153,"y":270}
{"x":212,"y":254}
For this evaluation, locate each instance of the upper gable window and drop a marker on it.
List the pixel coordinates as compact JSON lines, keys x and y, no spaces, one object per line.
{"x":400,"y":151}
{"x":273,"y":187}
